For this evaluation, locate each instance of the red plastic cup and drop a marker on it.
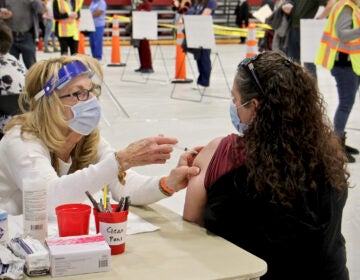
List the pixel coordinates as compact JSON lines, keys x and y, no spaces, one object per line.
{"x":112,"y":225}
{"x":73,"y":219}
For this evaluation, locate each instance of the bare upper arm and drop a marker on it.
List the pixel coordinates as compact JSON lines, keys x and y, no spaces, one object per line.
{"x":195,"y":198}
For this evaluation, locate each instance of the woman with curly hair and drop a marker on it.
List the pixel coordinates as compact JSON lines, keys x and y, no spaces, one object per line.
{"x":58,"y":139}
{"x":278,"y":189}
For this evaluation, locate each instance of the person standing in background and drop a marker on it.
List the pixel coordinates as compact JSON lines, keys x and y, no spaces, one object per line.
{"x":202,"y":56}
{"x":180,"y":8}
{"x":66,"y":14}
{"x":144,"y":45}
{"x":98,"y":11}
{"x":281,"y":31}
{"x":242,"y":16}
{"x":339,"y":53}
{"x":299,"y":9}
{"x":49,"y":27}
{"x":22,"y":17}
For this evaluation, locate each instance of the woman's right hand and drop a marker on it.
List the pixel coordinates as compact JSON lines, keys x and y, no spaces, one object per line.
{"x":73,"y":15}
{"x":287,"y":8}
{"x":5,"y":13}
{"x":176,"y":3}
{"x":146,"y":151}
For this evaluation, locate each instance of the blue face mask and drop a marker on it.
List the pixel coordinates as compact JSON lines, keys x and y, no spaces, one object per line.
{"x":239,"y":126}
{"x":86,"y":116}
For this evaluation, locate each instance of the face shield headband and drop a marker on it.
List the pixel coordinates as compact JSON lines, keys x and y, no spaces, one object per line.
{"x":65,"y":74}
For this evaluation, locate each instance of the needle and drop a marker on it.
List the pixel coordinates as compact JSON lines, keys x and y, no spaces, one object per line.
{"x":185,"y":149}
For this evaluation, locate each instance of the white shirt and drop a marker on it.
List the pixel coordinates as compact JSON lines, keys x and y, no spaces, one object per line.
{"x":20,"y":159}
{"x":49,"y":11}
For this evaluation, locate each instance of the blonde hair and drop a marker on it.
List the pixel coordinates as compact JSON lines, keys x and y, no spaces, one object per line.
{"x":44,"y":118}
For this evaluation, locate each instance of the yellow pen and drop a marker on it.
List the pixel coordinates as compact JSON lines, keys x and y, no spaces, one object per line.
{"x":105,"y":197}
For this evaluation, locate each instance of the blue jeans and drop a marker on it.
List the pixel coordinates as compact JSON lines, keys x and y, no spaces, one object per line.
{"x":49,"y":33}
{"x":204,"y":67}
{"x":96,"y":42}
{"x":293,"y":50}
{"x":24,"y":44}
{"x":347,"y":83}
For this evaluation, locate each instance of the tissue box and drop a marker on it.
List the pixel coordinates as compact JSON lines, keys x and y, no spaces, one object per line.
{"x":82,"y":254}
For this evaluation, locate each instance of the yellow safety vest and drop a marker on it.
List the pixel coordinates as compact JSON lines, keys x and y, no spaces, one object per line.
{"x":330,"y":43}
{"x":68,"y":27}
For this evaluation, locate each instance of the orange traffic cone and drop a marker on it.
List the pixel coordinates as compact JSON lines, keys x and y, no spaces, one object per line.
{"x":40,"y":44}
{"x":115,"y":44}
{"x":81,"y":46}
{"x":251,"y":42}
{"x":180,"y":66}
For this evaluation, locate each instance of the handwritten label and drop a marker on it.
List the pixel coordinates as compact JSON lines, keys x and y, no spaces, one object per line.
{"x":114,"y":233}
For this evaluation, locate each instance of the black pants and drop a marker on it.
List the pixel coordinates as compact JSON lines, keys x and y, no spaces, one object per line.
{"x":68,"y":42}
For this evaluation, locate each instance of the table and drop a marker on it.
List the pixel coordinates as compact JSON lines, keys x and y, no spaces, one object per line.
{"x":179,"y":250}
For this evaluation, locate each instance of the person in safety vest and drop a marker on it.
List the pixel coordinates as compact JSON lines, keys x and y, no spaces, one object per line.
{"x":66,"y":16}
{"x":339,"y":52}
{"x":303,"y":9}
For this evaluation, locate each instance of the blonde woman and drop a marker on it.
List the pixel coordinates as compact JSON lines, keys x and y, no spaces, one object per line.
{"x":58,"y":139}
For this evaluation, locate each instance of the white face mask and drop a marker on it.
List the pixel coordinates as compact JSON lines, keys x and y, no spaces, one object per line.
{"x":86,"y":116}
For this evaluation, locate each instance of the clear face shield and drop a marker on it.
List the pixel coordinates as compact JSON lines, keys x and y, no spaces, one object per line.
{"x":64,"y":76}
{"x":69,"y":71}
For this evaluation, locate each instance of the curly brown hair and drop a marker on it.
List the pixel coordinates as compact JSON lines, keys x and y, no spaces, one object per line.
{"x":290,"y":143}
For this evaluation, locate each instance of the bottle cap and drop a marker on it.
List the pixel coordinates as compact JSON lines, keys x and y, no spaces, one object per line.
{"x":3,"y":214}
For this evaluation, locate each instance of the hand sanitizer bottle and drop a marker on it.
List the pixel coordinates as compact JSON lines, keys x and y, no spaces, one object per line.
{"x":35,"y":206}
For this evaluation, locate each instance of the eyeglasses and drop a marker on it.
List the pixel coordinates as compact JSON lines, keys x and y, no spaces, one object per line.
{"x":83,"y":94}
{"x":248,"y":64}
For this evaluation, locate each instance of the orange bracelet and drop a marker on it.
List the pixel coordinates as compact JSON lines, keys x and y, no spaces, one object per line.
{"x":164,"y":188}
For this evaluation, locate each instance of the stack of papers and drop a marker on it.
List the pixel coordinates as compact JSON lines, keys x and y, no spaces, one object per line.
{"x":135,"y":224}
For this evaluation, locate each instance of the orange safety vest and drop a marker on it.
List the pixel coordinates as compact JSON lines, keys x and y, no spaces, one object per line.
{"x":330,"y":43}
{"x":68,"y":27}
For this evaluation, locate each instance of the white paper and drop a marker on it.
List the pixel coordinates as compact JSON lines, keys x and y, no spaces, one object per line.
{"x":199,"y":32}
{"x":86,"y":21}
{"x":144,"y":25}
{"x":135,"y":224}
{"x":263,"y":13}
{"x":311,"y":31}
